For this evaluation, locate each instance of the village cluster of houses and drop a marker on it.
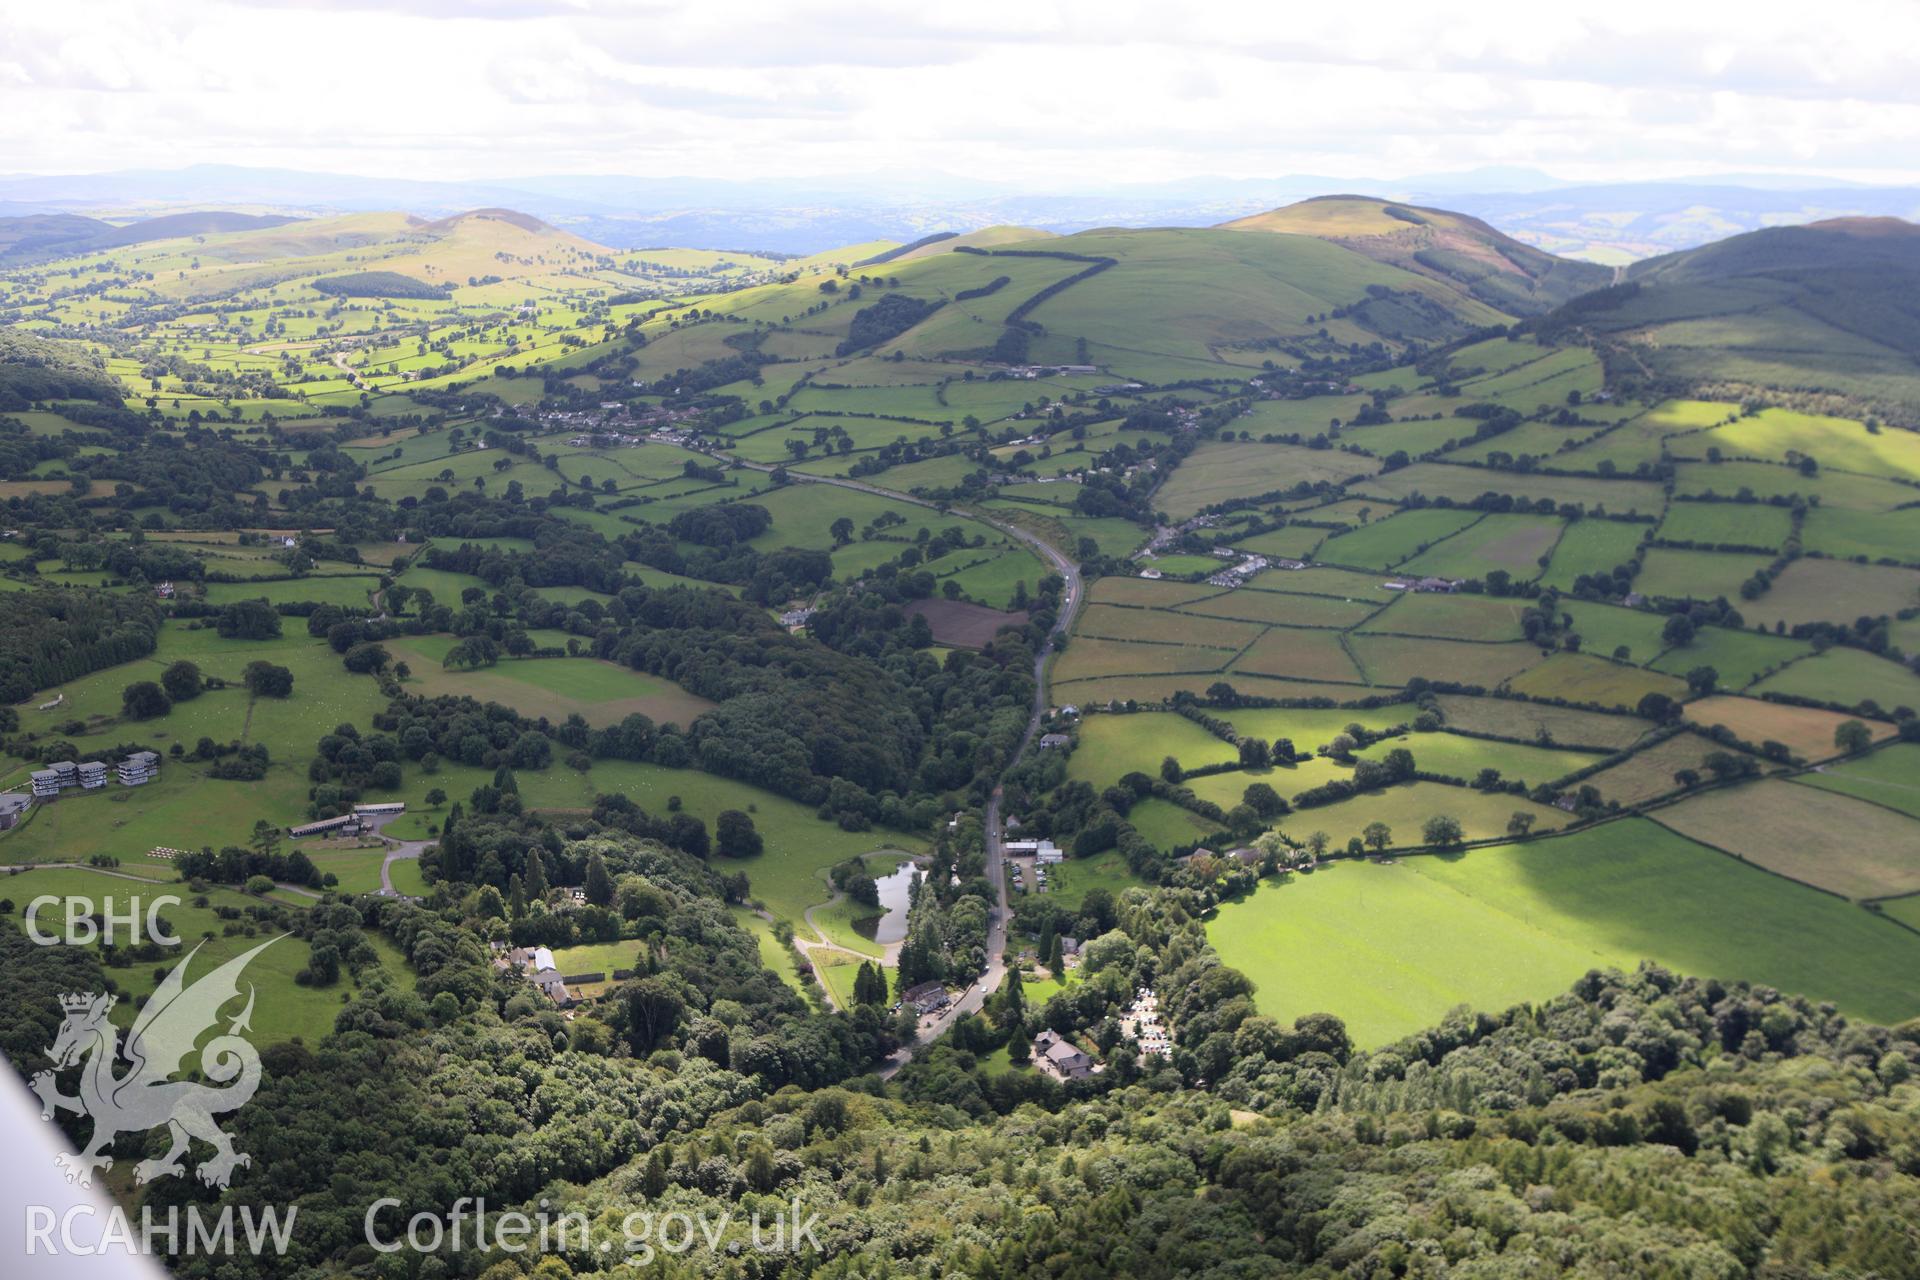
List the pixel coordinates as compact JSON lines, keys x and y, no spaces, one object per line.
{"x":618,"y":424}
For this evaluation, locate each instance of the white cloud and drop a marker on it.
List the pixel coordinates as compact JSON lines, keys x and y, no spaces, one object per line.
{"x":1043,"y":93}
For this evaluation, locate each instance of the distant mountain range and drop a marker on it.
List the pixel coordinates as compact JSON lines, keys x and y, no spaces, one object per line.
{"x":1614,"y":224}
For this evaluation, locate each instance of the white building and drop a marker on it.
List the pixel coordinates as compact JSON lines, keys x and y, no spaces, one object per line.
{"x":141,"y":766}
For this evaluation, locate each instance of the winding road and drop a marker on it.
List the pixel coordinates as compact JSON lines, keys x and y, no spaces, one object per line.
{"x":1071,"y":599}
{"x":397,"y":850}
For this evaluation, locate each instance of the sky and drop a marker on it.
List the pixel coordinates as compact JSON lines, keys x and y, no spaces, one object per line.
{"x":1047,"y":94}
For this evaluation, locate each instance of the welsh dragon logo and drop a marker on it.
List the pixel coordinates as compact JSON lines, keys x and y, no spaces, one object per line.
{"x":147,"y":1096}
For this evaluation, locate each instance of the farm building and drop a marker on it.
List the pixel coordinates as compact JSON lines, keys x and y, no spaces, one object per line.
{"x":1444,"y":585}
{"x":141,"y":766}
{"x":377,"y":810}
{"x":345,"y":824}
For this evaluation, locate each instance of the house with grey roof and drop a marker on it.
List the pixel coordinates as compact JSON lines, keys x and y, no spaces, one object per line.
{"x":1061,"y":1056}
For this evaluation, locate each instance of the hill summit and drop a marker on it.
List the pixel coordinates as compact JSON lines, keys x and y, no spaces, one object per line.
{"x":1461,"y":250}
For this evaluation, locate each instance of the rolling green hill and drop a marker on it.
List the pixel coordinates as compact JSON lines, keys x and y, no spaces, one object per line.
{"x":1825,"y":312}
{"x":1171,"y":303}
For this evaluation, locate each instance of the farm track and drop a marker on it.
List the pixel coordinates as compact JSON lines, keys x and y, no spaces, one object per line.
{"x":397,"y":851}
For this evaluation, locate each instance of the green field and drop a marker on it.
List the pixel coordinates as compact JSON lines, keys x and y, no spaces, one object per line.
{"x":1810,"y":590}
{"x":603,"y":693}
{"x":1406,"y":807}
{"x":597,"y":957}
{"x":1696,"y":575}
{"x":1392,"y":661}
{"x":1461,"y":757}
{"x":1892,"y":535}
{"x":1112,"y":746}
{"x":1604,"y":629}
{"x":1297,"y":654}
{"x":1578,"y":677}
{"x":1386,"y":543}
{"x":1726,"y":524}
{"x":1649,"y":772}
{"x":1165,"y":825}
{"x":1216,"y":472}
{"x":1848,"y":678}
{"x":1774,"y":434}
{"x":1591,"y":546}
{"x":1529,"y":721}
{"x":1391,"y":948}
{"x":1071,"y":881}
{"x":1465,"y":484}
{"x":1738,"y":657}
{"x":1889,"y":777}
{"x":1517,"y":545}
{"x":1450,"y":617}
{"x":1835,"y":489}
{"x":1821,"y":838}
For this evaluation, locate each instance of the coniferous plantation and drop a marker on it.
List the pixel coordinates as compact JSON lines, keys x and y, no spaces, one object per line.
{"x":1139,"y":734}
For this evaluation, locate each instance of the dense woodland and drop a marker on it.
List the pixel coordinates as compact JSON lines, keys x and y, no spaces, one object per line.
{"x":1641,"y":1124}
